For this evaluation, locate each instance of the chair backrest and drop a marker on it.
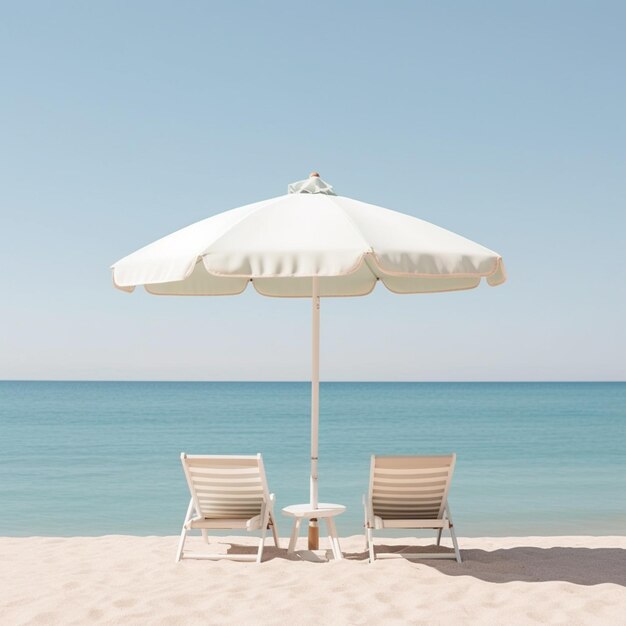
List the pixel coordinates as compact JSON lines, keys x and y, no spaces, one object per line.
{"x":410,"y":487}
{"x":221,"y":487}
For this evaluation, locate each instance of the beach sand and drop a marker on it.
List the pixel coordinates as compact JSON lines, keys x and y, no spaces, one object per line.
{"x":134,"y":580}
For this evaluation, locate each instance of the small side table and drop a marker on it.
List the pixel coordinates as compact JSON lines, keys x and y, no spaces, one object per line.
{"x":323,"y":511}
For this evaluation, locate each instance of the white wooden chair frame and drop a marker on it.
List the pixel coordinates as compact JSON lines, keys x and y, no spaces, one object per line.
{"x":409,"y":479}
{"x":234,"y":514}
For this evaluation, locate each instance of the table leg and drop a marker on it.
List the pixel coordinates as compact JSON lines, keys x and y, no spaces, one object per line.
{"x":294,"y":534}
{"x":331,"y":539}
{"x":334,"y":539}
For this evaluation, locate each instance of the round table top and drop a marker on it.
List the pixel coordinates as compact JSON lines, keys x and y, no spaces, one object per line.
{"x":323,"y":509}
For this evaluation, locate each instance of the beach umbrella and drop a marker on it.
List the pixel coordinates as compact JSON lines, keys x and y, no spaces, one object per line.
{"x":309,"y":243}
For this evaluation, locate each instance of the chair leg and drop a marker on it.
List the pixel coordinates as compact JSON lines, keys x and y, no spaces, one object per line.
{"x":259,"y":554}
{"x":264,"y":523}
{"x":181,"y":545}
{"x":275,"y":532}
{"x":369,"y":534}
{"x":183,"y":533}
{"x":365,"y":521}
{"x":205,"y":534}
{"x":439,"y":536}
{"x":457,"y":552}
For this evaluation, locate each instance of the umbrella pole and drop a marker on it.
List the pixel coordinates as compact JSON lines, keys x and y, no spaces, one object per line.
{"x":315,"y":406}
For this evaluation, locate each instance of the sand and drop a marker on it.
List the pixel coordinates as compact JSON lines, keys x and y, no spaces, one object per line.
{"x":134,"y":580}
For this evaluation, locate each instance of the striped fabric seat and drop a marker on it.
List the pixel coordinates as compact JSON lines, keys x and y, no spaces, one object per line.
{"x":227,"y":492}
{"x":410,"y":492}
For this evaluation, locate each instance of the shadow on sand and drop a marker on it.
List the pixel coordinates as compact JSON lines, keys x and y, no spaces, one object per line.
{"x":581,"y":566}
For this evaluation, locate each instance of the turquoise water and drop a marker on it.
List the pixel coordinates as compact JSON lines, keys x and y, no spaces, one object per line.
{"x":92,"y":458}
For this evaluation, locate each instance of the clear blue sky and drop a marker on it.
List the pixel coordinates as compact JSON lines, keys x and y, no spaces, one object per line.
{"x":503,"y":121}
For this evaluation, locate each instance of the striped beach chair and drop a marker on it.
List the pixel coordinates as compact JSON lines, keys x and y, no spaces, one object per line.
{"x":410,"y":492}
{"x":227,"y":493}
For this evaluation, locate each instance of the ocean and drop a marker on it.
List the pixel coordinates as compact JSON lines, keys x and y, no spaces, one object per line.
{"x":95,"y":458}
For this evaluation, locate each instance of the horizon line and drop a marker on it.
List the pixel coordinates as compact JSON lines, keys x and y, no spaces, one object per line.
{"x":307,"y":381}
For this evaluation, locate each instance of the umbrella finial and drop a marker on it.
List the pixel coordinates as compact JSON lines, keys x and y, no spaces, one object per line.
{"x":313,"y":184}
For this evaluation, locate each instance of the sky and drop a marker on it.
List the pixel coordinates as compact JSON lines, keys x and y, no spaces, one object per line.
{"x":502,"y":121}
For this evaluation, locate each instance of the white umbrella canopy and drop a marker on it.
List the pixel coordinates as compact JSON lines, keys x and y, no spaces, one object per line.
{"x":309,"y":243}
{"x":280,"y":244}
